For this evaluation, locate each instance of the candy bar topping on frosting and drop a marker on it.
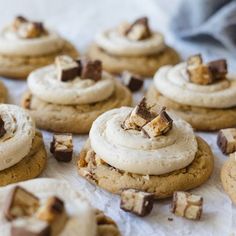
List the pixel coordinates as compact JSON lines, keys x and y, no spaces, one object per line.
{"x":131,"y":81}
{"x":139,"y":30}
{"x":204,"y":74}
{"x":2,"y":128}
{"x":27,"y":29}
{"x":68,"y":68}
{"x":153,"y":124}
{"x":226,"y":140}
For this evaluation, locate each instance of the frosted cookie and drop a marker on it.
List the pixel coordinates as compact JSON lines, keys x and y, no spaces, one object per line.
{"x":41,"y":207}
{"x":132,"y":47}
{"x":69,"y":95}
{"x":203,"y":94}
{"x":27,"y":45}
{"x":23,"y":154}
{"x":145,"y":149}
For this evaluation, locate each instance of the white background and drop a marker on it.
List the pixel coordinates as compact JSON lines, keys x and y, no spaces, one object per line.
{"x":79,"y":20}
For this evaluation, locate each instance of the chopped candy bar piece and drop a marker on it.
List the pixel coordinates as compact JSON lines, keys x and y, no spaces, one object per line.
{"x":133,"y":82}
{"x":226,"y":140}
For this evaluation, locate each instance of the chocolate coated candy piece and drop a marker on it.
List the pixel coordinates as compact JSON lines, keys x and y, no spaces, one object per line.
{"x":67,"y":68}
{"x":91,"y":70}
{"x":140,"y":116}
{"x":30,"y":226}
{"x":226,"y":140}
{"x":218,"y":69}
{"x":194,"y":60}
{"x":139,"y":30}
{"x":137,"y":202}
{"x":53,"y":212}
{"x":2,"y":129}
{"x":62,"y":147}
{"x":133,"y":82}
{"x":20,"y":203}
{"x":187,"y":205}
{"x":200,"y":74}
{"x":159,"y":125}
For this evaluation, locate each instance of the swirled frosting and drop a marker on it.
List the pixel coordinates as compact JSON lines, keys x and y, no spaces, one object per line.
{"x":17,"y":141}
{"x":117,"y":44}
{"x":173,"y":83}
{"x":131,"y":151}
{"x":44,"y":84}
{"x":82,"y":218}
{"x":12,"y":44}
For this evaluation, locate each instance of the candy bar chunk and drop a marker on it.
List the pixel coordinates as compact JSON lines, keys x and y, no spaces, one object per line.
{"x":140,"y":116}
{"x":30,"y":226}
{"x":132,"y":82}
{"x":18,"y":21}
{"x":62,"y":147}
{"x":20,"y":203}
{"x":2,"y":128}
{"x":200,"y":74}
{"x":226,"y":140}
{"x":53,"y":212}
{"x":159,"y":125}
{"x":91,"y":70}
{"x":218,"y":69}
{"x":187,"y":205}
{"x":195,"y":60}
{"x":139,"y":30}
{"x":137,"y":202}
{"x":123,"y":27}
{"x":67,"y":68}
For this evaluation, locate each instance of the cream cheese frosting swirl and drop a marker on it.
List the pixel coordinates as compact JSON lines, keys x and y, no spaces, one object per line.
{"x":12,"y":44}
{"x":173,"y":83}
{"x":131,"y":151}
{"x":44,"y":84}
{"x":81,"y":215}
{"x":16,"y":143}
{"x":115,"y":43}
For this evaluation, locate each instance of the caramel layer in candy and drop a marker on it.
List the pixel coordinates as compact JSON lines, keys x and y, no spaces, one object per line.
{"x":67,"y":68}
{"x":62,"y":147}
{"x":226,"y":140}
{"x":137,"y":202}
{"x":20,"y":203}
{"x":187,"y":205}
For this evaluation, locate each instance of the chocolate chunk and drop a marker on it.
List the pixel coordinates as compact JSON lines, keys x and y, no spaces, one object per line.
{"x":53,"y":212}
{"x":159,"y":125}
{"x":187,"y":205}
{"x":91,"y":69}
{"x":67,"y":68}
{"x":226,"y":140}
{"x":20,"y":203}
{"x":140,"y":116}
{"x":2,"y":128}
{"x":133,"y":82}
{"x":218,"y":68}
{"x":62,"y":147}
{"x":139,"y":30}
{"x":30,"y":226}
{"x":137,"y":202}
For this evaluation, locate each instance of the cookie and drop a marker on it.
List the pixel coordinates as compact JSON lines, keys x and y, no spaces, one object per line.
{"x":73,"y":118}
{"x":214,"y":119}
{"x":228,"y":177}
{"x":142,"y":65}
{"x":29,"y":167}
{"x":18,"y":67}
{"x":162,"y":186}
{"x":3,"y":93}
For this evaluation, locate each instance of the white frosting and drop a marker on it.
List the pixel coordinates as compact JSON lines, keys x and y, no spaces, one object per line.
{"x":116,"y":44}
{"x":17,"y":141}
{"x":134,"y":152}
{"x":82,"y":220}
{"x":173,"y":83}
{"x":44,"y":84}
{"x":12,"y":44}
